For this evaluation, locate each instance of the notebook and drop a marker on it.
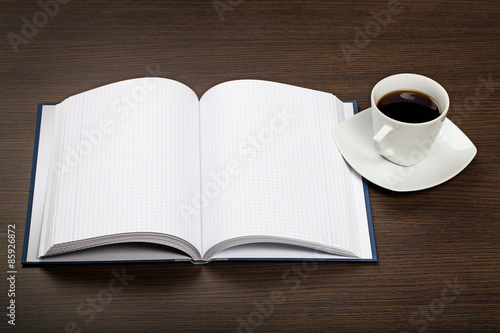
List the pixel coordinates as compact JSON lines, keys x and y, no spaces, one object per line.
{"x":144,"y":170}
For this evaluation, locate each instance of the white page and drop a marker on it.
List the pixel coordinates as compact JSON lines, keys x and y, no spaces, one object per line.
{"x":130,"y":158}
{"x":270,"y":166}
{"x":273,"y":250}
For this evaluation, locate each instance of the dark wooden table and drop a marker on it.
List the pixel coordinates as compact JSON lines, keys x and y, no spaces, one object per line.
{"x":439,"y":253}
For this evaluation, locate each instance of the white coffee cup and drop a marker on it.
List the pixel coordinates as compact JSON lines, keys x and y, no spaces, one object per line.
{"x":402,"y":142}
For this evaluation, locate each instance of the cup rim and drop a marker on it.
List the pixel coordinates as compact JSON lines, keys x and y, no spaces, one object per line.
{"x":439,"y":118}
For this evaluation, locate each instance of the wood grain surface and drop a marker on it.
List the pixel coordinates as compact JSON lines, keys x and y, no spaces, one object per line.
{"x":439,"y":253}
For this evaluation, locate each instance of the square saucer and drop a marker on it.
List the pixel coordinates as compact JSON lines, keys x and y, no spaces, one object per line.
{"x":450,"y":154}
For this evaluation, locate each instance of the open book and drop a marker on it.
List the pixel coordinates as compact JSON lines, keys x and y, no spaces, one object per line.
{"x":248,"y":171}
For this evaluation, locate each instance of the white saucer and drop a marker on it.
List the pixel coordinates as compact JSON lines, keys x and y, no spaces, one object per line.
{"x":451,"y":153}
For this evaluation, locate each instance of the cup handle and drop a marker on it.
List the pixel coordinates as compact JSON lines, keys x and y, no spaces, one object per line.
{"x":379,"y":138}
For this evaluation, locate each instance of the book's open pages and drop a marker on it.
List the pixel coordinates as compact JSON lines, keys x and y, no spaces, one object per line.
{"x":249,"y":167}
{"x":289,"y":183}
{"x":126,"y":156}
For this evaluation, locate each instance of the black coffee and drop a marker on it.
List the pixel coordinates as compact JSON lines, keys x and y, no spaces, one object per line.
{"x":409,"y":106}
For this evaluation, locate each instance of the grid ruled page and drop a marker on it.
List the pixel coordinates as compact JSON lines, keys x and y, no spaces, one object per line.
{"x":129,"y":157}
{"x":270,"y":166}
